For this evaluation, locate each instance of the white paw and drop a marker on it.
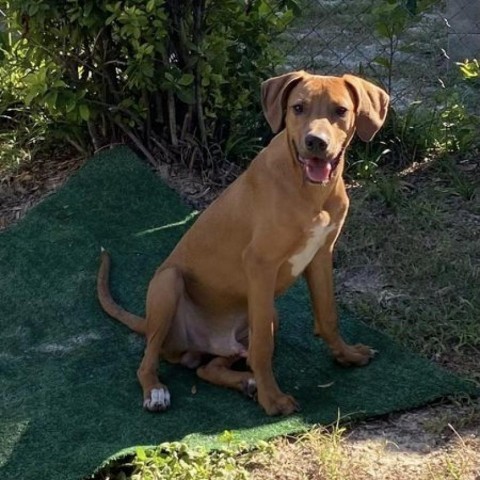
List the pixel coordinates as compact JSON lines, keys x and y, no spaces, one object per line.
{"x":158,"y":401}
{"x":250,"y":388}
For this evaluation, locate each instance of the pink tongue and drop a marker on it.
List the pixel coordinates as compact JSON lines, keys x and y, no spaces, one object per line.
{"x":319,"y":171}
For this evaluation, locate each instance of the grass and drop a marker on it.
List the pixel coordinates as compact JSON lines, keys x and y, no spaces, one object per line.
{"x":420,"y":241}
{"x":407,"y":263}
{"x":177,"y":461}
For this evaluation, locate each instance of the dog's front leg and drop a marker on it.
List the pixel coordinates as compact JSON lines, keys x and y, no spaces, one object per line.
{"x":319,"y":276}
{"x":261,"y":278}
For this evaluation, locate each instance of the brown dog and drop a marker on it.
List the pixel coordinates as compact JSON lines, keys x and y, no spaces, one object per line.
{"x":280,"y":219}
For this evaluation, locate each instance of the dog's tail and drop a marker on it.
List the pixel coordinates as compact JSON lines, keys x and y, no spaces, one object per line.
{"x":137,"y":324}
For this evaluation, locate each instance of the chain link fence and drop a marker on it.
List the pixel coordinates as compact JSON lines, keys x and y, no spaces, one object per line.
{"x":410,"y":46}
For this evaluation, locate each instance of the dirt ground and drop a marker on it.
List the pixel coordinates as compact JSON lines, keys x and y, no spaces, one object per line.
{"x":436,"y":442}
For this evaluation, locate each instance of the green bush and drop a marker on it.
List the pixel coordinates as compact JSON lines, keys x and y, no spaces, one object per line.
{"x":169,"y":75}
{"x":419,"y":132}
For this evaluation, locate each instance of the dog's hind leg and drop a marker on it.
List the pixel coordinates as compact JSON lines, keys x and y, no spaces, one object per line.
{"x":164,"y":292}
{"x":218,"y":371}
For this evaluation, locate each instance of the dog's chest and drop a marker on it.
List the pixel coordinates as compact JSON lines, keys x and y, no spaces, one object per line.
{"x":316,"y":239}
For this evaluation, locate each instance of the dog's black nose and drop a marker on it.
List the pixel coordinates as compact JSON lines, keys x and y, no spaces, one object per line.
{"x":316,"y":143}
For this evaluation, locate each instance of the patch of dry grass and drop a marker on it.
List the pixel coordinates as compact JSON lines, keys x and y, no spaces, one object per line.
{"x":413,"y":270}
{"x":395,"y":449}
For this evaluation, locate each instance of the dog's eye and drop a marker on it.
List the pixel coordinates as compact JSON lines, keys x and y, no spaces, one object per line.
{"x":341,"y":111}
{"x":298,"y":108}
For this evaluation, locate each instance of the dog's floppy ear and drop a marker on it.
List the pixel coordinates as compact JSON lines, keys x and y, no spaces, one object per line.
{"x":372,"y":106}
{"x":274,"y":97}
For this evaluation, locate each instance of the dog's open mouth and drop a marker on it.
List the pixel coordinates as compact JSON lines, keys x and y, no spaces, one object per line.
{"x":319,"y":170}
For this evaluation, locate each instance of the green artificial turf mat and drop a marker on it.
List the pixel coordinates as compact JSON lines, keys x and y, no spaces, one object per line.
{"x":69,"y":393}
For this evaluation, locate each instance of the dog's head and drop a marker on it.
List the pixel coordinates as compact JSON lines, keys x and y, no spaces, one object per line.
{"x":321,"y":114}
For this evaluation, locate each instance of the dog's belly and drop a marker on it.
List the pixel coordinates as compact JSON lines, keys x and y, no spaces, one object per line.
{"x":194,"y":330}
